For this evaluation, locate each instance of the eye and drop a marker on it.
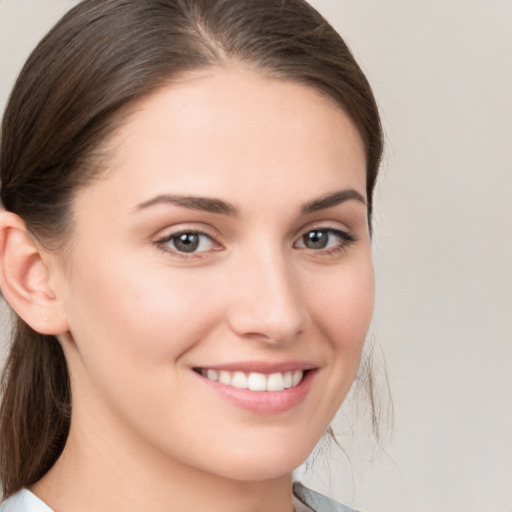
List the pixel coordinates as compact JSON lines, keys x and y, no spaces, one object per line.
{"x":188,"y":242}
{"x":324,"y":239}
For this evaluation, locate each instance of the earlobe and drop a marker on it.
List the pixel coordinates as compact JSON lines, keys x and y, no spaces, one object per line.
{"x":25,"y":278}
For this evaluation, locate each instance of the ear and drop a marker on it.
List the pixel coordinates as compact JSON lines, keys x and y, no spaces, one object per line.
{"x":25,"y":278}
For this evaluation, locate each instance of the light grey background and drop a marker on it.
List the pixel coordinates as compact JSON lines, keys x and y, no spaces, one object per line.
{"x":442,"y":73}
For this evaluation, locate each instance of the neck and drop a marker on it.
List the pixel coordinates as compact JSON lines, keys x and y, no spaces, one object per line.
{"x":97,"y":471}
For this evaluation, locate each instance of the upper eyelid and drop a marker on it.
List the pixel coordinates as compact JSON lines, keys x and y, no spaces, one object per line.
{"x":331,"y":225}
{"x":169,"y":232}
{"x":162,"y":243}
{"x":170,"y":236}
{"x":348,"y":235}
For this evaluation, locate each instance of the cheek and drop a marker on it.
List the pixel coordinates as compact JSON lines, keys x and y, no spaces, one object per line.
{"x":149,"y":316}
{"x":343,"y":307}
{"x":132,"y":332}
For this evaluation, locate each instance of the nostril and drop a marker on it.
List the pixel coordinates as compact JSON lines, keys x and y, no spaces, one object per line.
{"x":261,"y":325}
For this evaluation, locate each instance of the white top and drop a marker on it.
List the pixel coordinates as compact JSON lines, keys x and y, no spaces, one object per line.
{"x":26,"y":501}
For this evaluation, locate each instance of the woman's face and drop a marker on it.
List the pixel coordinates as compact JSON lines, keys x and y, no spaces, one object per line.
{"x":219,"y":285}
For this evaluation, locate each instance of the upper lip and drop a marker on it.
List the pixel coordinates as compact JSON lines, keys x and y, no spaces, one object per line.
{"x":264,"y":367}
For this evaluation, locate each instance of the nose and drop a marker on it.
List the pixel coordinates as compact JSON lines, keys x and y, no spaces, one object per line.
{"x":266,"y":301}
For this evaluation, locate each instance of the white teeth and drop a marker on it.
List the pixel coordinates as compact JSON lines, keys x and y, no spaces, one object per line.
{"x":275,"y":382}
{"x":239,"y":380}
{"x":225,"y":377}
{"x":255,"y":381}
{"x":297,"y":377}
{"x":212,"y":374}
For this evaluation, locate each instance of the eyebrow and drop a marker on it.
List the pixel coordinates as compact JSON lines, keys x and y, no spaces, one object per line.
{"x":192,"y":203}
{"x":331,"y":200}
{"x":219,"y":206}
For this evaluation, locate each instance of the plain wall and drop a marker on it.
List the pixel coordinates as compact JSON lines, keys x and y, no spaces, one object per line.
{"x":442,"y":74}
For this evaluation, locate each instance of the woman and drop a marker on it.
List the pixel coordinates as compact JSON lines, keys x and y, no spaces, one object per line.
{"x":187,"y":190}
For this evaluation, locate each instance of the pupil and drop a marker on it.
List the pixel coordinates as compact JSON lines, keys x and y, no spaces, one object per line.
{"x":315,"y":239}
{"x":187,"y":242}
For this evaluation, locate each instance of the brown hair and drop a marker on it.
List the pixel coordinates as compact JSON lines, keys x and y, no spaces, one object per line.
{"x":100,"y":58}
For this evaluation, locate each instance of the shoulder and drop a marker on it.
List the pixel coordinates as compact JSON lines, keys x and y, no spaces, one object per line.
{"x":24,"y":501}
{"x":315,"y":501}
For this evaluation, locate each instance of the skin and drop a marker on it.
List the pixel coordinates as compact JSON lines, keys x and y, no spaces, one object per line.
{"x":139,"y":316}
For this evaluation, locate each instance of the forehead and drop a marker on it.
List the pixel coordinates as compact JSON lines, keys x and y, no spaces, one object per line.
{"x":218,"y":132}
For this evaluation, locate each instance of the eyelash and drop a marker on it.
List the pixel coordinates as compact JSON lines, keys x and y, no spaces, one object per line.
{"x":163,"y":244}
{"x":346,"y":239}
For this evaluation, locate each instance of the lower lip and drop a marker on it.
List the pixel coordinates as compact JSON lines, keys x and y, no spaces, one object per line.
{"x":264,"y":402}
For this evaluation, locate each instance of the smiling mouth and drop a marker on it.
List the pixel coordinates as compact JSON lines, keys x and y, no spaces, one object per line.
{"x":254,"y":381}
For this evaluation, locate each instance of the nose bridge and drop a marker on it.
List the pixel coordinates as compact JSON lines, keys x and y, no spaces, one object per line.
{"x":267,"y":301}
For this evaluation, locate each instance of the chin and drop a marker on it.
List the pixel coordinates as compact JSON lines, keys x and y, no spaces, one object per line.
{"x":263,"y":463}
